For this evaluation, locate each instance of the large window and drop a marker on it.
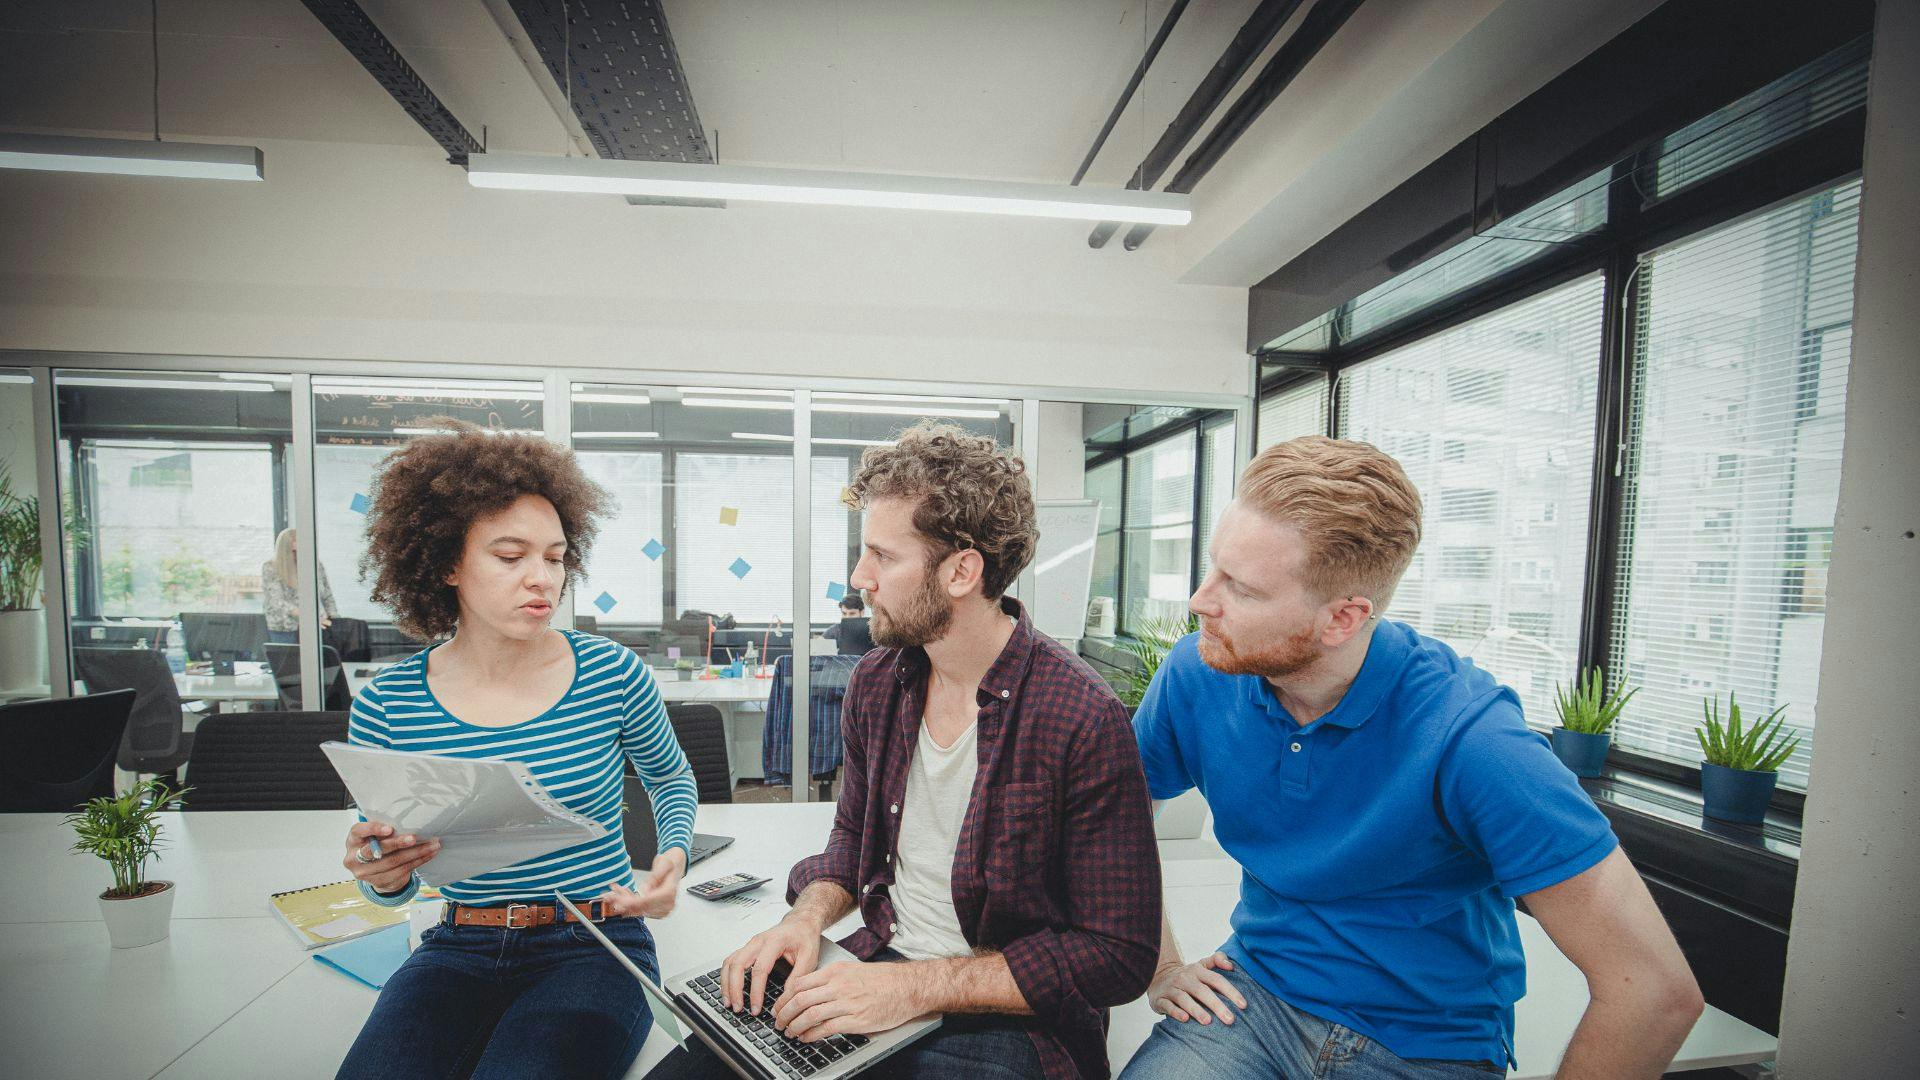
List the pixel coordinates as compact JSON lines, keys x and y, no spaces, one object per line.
{"x":1293,"y":411}
{"x":1158,"y":527}
{"x":1493,"y":421}
{"x":1742,"y":343}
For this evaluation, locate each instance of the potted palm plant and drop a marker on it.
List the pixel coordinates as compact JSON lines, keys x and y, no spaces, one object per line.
{"x":1742,"y":763}
{"x":125,"y":831}
{"x":23,"y":637}
{"x":1587,"y":712}
{"x":1149,"y":646}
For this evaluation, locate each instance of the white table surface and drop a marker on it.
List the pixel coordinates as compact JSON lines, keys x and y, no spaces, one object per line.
{"x":230,"y":990}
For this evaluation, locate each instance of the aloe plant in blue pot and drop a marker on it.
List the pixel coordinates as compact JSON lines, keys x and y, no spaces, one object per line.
{"x":1587,"y":712}
{"x":1742,"y":763}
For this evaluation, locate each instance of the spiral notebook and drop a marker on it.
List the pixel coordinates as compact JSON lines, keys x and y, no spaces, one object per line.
{"x":330,"y":914}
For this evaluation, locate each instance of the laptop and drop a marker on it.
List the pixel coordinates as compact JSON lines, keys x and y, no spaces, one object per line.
{"x":638,"y":834}
{"x":750,"y":1045}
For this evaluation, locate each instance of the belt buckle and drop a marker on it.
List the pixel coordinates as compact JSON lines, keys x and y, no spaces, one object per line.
{"x":511,"y":925}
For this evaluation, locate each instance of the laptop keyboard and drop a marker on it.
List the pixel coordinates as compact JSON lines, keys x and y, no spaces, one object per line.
{"x":791,"y":1056}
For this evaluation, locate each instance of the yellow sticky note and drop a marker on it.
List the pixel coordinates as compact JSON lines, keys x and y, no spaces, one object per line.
{"x":729,"y":515}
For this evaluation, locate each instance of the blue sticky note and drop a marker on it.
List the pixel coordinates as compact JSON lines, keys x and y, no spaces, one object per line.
{"x":835,"y":590}
{"x":371,"y":959}
{"x":740,"y":568}
{"x":604,"y":602}
{"x":359,"y":504}
{"x":654,"y":550}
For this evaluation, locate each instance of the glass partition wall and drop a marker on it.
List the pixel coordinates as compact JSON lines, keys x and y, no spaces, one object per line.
{"x":23,"y":613}
{"x":187,"y":497}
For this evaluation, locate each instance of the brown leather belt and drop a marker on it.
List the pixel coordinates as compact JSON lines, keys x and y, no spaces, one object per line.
{"x":523,"y":916}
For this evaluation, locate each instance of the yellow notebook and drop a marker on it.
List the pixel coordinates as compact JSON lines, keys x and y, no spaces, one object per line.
{"x":330,"y":914}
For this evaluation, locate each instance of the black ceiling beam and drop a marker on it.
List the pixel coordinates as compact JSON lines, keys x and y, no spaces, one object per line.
{"x":350,"y":25}
{"x":1247,"y":45}
{"x":1139,"y":73}
{"x":1323,"y":20}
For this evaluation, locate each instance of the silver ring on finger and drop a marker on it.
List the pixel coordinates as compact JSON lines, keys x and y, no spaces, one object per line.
{"x":360,"y":854}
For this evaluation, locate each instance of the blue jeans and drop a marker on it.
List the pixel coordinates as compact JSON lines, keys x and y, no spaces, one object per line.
{"x":491,"y":1002}
{"x":1272,"y":1038}
{"x":961,"y":1048}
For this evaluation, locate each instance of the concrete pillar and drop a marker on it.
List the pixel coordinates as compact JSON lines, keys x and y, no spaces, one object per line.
{"x":1852,"y":1002}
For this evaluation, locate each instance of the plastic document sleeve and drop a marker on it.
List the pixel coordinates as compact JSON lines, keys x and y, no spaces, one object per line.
{"x":486,"y":814}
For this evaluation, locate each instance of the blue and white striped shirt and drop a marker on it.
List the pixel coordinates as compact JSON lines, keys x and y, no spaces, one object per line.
{"x":573,"y":749}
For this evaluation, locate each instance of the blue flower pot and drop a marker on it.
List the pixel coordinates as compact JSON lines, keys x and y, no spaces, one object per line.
{"x":1581,"y":752}
{"x":1737,"y":795}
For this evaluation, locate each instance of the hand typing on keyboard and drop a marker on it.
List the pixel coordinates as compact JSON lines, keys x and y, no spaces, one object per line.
{"x":794,"y":1057}
{"x":848,"y":998}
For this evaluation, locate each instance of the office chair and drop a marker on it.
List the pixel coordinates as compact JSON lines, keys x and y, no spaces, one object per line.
{"x":702,"y":733}
{"x":283,"y":659}
{"x":60,"y":751}
{"x":156,"y":739}
{"x":266,"y":761}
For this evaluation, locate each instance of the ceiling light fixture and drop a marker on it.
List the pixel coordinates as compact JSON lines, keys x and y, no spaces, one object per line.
{"x":133,"y":157}
{"x":844,"y":407}
{"x":748,"y":183}
{"x":616,"y":434}
{"x":613,"y":399}
{"x":163,"y":384}
{"x":762,"y":436}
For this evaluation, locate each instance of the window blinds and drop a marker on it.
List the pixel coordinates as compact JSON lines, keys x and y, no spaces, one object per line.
{"x":1742,"y":341}
{"x":1493,"y":421}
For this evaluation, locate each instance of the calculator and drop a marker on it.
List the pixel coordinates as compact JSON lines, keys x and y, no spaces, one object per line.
{"x":719,"y":888}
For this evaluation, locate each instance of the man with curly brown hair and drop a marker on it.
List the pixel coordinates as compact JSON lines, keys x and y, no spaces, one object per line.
{"x":993,"y":829}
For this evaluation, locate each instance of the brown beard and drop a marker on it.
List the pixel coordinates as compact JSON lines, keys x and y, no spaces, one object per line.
{"x":1289,"y":657}
{"x":923,"y":617}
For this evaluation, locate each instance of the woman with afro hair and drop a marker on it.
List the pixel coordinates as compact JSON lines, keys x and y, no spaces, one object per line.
{"x":472,"y":539}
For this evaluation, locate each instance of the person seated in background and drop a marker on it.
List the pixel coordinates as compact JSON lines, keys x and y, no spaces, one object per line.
{"x":1022,"y":913}
{"x":851,"y":633}
{"x":1388,"y":804}
{"x":280,"y":591}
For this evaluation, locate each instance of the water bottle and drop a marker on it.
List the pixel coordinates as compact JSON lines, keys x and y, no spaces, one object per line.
{"x":176,"y":653}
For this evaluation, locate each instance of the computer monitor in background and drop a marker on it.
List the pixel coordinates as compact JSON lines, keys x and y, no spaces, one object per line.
{"x":224,"y":635}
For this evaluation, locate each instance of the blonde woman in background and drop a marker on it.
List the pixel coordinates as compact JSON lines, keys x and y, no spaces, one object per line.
{"x":281,"y":596}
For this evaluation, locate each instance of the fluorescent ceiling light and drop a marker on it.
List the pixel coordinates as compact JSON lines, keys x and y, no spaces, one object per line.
{"x":614,"y":399}
{"x":761,"y":436}
{"x":837,"y":396}
{"x":131,"y":157}
{"x":398,"y":389}
{"x":616,"y":434}
{"x":725,"y":403}
{"x":844,"y":407}
{"x":15,"y":377}
{"x":449,"y":431}
{"x":682,"y":180}
{"x":163,"y":384}
{"x":788,"y":394}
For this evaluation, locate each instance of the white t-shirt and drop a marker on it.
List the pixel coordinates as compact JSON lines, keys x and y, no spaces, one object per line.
{"x":939,"y":787}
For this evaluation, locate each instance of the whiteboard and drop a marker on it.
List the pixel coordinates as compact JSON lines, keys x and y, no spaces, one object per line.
{"x":1063,"y":567}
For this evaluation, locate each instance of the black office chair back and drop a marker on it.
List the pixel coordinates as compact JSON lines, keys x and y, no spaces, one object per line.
{"x":266,"y":761}
{"x":283,"y":659}
{"x":702,"y":733}
{"x":351,"y":638}
{"x":60,"y":752}
{"x":155,"y":741}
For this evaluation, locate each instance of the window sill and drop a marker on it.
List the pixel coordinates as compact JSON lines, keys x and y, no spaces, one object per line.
{"x":1747,"y":869}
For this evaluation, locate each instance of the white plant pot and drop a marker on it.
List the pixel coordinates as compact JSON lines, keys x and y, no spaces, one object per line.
{"x":23,"y":649}
{"x":141,"y":920}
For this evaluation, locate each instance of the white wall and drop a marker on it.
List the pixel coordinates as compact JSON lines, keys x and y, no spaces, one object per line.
{"x":382,"y":252}
{"x":1852,"y":1000}
{"x":1063,"y":451}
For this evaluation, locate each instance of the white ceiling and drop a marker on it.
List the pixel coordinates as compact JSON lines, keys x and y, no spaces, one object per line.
{"x":1012,"y":89}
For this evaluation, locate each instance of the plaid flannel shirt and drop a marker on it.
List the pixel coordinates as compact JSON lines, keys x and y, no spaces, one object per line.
{"x":1056,"y":868}
{"x":828,"y":676}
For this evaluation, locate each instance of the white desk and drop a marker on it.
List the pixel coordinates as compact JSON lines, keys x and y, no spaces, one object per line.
{"x":230,"y":991}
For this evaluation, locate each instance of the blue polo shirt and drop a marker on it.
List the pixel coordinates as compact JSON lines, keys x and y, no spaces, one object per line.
{"x":1382,"y":845}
